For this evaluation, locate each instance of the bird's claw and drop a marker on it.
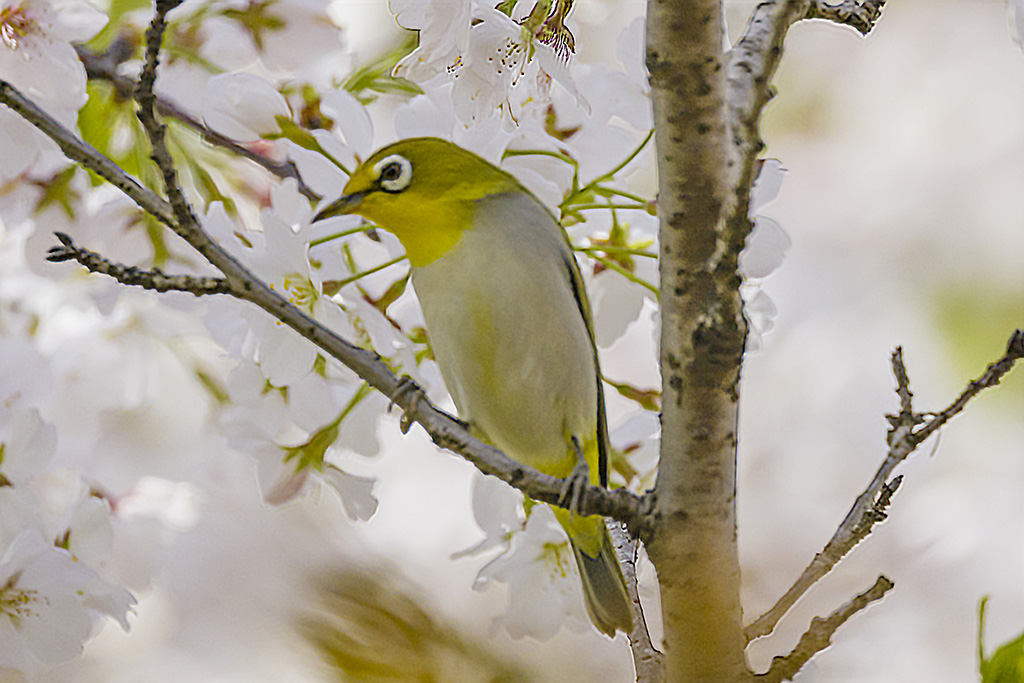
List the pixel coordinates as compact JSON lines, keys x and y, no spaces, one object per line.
{"x":575,"y":485}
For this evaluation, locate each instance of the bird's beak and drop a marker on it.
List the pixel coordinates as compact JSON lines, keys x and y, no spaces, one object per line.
{"x":342,"y":206}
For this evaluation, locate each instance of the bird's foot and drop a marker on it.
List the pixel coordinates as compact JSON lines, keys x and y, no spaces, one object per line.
{"x":575,"y":485}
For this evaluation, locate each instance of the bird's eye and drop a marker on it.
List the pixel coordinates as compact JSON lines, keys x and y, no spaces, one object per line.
{"x":394,"y":173}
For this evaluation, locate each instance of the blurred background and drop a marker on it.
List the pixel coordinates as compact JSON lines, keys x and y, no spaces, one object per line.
{"x":903,"y":201}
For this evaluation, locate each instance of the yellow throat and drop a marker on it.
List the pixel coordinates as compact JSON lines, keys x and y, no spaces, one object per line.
{"x":422,"y":190}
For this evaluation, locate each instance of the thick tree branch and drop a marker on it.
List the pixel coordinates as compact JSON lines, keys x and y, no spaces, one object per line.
{"x":444,"y":430}
{"x":819,"y":635}
{"x":908,"y":431}
{"x":104,"y":67}
{"x":154,"y":279}
{"x":647,"y":660}
{"x":702,"y":336}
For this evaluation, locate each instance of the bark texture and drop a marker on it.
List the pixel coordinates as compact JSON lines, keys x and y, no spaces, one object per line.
{"x":702,"y":336}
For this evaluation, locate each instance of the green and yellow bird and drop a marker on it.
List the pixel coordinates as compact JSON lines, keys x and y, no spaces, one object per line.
{"x":509,"y":323}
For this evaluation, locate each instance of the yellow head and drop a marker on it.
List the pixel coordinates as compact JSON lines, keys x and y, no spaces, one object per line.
{"x":422,"y":190}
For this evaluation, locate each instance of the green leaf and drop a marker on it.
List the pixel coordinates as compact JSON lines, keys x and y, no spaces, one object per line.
{"x":418,"y":336}
{"x":303,"y":138}
{"x":391,"y":294}
{"x":620,"y":462}
{"x":375,"y":76}
{"x":649,"y":399}
{"x":312,"y":453}
{"x":256,"y":19}
{"x":59,"y":191}
{"x":1006,"y":665}
{"x":207,"y":187}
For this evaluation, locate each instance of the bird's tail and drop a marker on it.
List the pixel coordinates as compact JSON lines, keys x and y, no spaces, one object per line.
{"x":604,"y":588}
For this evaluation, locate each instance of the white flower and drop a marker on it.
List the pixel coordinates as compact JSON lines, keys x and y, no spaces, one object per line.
{"x":767,"y":243}
{"x":36,"y":57}
{"x":543,"y":582}
{"x":26,"y":444}
{"x":761,"y":312}
{"x":641,"y":434}
{"x":243,"y":106}
{"x":352,"y":122}
{"x":48,"y":603}
{"x":433,"y":114}
{"x":295,"y":440}
{"x":498,"y":54}
{"x":763,"y":253}
{"x":536,"y":562}
{"x":497,"y":509}
{"x":765,"y":249}
{"x":444,"y":35}
{"x":355,"y":492}
{"x":279,"y":256}
{"x":617,"y":302}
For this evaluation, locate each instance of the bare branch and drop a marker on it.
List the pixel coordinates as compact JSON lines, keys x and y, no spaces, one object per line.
{"x":860,"y":15}
{"x":750,"y":69}
{"x":104,"y":67}
{"x":444,"y":430}
{"x":905,"y":435}
{"x":899,"y":371}
{"x":154,"y":279}
{"x":819,"y":635}
{"x":648,"y":662}
{"x":992,"y":376}
{"x":749,"y":72}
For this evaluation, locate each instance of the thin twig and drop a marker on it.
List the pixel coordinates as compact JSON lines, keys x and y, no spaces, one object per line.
{"x":819,"y":635}
{"x":101,"y":67}
{"x":648,"y":662}
{"x":860,"y":15}
{"x":992,"y":376}
{"x":906,"y":433}
{"x":443,"y":429}
{"x":185,"y":219}
{"x":154,"y":279}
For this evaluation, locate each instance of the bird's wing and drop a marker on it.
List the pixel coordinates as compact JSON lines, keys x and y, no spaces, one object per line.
{"x":580,"y":294}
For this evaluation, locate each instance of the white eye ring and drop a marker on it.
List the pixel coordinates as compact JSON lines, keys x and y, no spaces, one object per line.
{"x":394,"y":173}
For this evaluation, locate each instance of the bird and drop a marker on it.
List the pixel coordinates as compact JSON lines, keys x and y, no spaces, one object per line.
{"x":508,"y":320}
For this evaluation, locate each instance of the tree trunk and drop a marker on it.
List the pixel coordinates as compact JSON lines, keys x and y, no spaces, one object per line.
{"x":702,"y":334}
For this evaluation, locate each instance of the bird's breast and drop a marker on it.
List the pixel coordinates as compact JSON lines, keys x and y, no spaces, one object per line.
{"x":509,"y":337}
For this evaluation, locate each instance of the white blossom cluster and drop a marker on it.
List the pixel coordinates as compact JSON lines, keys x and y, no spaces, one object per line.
{"x":83,"y":362}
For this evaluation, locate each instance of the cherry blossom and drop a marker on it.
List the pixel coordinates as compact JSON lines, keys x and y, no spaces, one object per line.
{"x":543,"y":583}
{"x":243,"y":106}
{"x":36,"y":56}
{"x":763,"y":254}
{"x":485,"y":53}
{"x":49,"y":603}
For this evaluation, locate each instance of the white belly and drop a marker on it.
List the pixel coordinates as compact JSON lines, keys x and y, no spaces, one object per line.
{"x":509,"y":337}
